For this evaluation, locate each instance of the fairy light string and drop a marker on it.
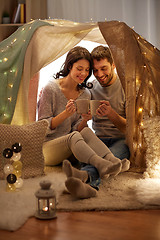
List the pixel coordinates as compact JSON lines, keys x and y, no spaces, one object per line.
{"x":147,"y":100}
{"x":12,"y":53}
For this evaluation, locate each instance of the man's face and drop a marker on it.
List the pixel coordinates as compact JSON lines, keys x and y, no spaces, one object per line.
{"x":104,"y":72}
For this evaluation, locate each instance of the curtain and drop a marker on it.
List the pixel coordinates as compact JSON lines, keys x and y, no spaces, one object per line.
{"x":143,"y":15}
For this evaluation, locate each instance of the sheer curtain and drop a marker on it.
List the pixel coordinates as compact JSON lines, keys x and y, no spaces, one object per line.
{"x":143,"y":15}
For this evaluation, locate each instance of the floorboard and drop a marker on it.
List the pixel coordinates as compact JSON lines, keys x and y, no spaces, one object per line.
{"x":103,"y":225}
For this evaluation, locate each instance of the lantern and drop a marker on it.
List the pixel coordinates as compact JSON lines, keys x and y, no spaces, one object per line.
{"x":46,"y":201}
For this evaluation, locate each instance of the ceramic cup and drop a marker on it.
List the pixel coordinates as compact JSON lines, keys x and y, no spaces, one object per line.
{"x":94,"y":105}
{"x":82,"y":106}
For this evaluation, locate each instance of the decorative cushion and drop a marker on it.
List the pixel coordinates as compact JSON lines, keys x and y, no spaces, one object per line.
{"x":30,"y":137}
{"x":151,"y":130}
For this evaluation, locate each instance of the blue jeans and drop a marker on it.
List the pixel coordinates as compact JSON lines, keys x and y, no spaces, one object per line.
{"x":118,"y":148}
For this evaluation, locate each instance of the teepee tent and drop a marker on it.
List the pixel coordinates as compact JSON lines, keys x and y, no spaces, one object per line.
{"x":37,"y":43}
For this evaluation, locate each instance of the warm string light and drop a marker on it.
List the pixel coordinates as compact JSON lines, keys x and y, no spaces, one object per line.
{"x":141,"y":124}
{"x":140,"y":110}
{"x":11,"y":73}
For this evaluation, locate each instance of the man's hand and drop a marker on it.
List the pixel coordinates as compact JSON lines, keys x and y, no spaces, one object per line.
{"x":104,"y":109}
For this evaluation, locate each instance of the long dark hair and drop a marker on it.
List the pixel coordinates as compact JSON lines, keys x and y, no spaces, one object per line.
{"x":74,"y":55}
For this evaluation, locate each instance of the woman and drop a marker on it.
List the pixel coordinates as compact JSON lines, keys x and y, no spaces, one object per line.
{"x":68,"y":133}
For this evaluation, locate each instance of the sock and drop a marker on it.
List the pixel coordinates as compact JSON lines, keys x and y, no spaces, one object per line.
{"x":78,"y":189}
{"x":73,"y":172}
{"x":125,"y":164}
{"x":104,"y":166}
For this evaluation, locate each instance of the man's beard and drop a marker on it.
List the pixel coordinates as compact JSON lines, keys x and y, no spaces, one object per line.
{"x":109,"y":77}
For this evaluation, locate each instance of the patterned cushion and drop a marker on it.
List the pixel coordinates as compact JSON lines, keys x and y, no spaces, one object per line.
{"x":31,"y":137}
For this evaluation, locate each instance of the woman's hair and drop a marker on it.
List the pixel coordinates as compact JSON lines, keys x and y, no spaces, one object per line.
{"x":102,"y":52}
{"x":74,"y":55}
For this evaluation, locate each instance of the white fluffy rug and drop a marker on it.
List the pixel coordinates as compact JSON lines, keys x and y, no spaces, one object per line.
{"x":125,"y":191}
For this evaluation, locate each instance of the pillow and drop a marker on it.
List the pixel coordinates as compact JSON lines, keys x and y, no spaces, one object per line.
{"x":151,"y":131}
{"x":30,"y":137}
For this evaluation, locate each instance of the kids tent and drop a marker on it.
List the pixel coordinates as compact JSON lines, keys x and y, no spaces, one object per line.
{"x":38,"y":43}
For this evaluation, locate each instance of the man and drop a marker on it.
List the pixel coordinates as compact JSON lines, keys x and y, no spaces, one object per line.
{"x":109,"y":124}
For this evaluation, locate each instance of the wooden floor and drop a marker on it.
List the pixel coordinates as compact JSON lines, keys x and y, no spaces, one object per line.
{"x":104,"y":225}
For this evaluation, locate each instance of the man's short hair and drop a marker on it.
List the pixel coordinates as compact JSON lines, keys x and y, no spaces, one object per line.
{"x":102,"y":52}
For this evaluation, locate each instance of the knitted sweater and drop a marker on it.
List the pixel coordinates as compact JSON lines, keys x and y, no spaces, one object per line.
{"x":52,"y":103}
{"x":114,"y":93}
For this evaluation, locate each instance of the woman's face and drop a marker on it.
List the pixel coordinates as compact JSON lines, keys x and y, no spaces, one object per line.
{"x":80,"y":71}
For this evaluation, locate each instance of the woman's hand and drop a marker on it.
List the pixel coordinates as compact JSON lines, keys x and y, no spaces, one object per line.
{"x":87,"y":116}
{"x":69,"y":110}
{"x":70,"y":107}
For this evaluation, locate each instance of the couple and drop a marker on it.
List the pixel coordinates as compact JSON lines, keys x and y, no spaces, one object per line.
{"x":102,"y":153}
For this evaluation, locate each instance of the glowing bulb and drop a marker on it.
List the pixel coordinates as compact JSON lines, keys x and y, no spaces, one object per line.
{"x":10,"y":99}
{"x":139,"y":145}
{"x":144,"y":66}
{"x":141,"y":124}
{"x":140,"y":109}
{"x":5,"y":59}
{"x":10,"y":85}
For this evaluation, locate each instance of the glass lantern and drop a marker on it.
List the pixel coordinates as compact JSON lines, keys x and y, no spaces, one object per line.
{"x":46,"y":201}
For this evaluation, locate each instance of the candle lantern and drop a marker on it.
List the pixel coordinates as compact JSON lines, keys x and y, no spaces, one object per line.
{"x":46,"y":201}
